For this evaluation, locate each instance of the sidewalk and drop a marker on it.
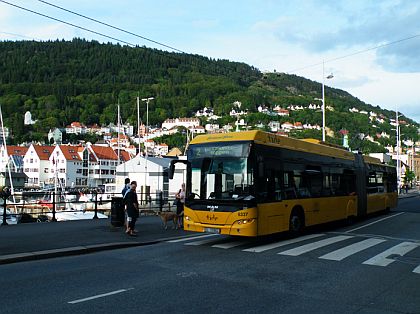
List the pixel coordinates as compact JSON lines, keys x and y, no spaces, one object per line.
{"x":32,"y":241}
{"x":411,"y":193}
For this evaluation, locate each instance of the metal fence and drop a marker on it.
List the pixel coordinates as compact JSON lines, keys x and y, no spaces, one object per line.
{"x":38,"y":206}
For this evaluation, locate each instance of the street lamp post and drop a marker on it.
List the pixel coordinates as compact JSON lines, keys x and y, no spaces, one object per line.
{"x":398,"y":134}
{"x":146,"y":136}
{"x":323,"y":99}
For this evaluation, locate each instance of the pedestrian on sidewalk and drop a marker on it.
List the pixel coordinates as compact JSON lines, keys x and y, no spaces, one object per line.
{"x":126,"y":188}
{"x":132,"y":207}
{"x":180,"y":200}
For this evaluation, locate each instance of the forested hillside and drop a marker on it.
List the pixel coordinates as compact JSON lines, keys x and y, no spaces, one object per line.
{"x":64,"y":81}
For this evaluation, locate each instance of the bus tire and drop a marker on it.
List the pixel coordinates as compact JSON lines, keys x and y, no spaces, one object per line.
{"x":296,"y":222}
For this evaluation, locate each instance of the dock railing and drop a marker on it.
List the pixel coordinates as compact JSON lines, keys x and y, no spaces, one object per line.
{"x":36,"y":206}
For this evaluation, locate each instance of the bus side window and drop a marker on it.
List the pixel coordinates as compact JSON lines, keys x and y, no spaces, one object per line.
{"x":289,"y":186}
{"x":347,"y":186}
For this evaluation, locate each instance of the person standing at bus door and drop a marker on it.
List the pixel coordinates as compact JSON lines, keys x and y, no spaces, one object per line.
{"x":126,"y":187}
{"x":124,"y":191}
{"x":132,"y":208}
{"x":180,"y":196}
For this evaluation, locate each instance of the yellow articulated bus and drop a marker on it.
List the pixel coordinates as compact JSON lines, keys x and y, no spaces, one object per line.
{"x":255,"y":183}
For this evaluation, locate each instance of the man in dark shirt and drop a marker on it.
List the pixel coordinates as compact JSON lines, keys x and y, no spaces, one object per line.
{"x":132,"y":207}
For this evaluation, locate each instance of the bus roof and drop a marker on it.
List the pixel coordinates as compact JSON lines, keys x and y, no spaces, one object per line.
{"x":271,"y":139}
{"x":372,"y":160}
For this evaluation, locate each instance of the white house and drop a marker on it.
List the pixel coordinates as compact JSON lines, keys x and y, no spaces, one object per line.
{"x":76,"y":128}
{"x":56,"y":135}
{"x":205,"y":112}
{"x":28,"y":119}
{"x":66,"y":166}
{"x":4,"y":132}
{"x":198,"y":130}
{"x":274,"y":126}
{"x":12,"y":157}
{"x":287,"y":126}
{"x":151,"y":176}
{"x":212,"y":127}
{"x":36,"y":164}
{"x":101,"y":163}
{"x":185,"y":122}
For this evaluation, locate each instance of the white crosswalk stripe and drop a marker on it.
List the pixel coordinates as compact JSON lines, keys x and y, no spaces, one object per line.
{"x":270,"y":246}
{"x":313,"y":246}
{"x":192,"y":238}
{"x":202,"y":242}
{"x":229,"y":245}
{"x":383,"y":258}
{"x":349,"y":250}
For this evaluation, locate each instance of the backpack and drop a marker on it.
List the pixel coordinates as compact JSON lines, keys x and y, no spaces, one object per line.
{"x":124,"y":190}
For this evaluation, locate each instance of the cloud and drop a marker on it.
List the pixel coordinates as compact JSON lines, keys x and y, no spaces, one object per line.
{"x":357,"y":27}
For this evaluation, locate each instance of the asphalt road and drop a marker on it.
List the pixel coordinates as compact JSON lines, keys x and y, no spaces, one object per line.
{"x":370,"y":267}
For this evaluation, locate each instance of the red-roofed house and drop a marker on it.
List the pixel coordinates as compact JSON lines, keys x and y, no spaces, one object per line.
{"x":76,"y":128}
{"x":102,"y":165}
{"x":78,"y":166}
{"x":36,"y":164}
{"x":161,"y":149}
{"x":66,"y":164}
{"x":123,"y":141}
{"x":124,"y":155}
{"x":13,"y":158}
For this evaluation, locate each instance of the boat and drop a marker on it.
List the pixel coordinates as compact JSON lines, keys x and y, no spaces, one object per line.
{"x":11,"y":219}
{"x":75,"y":215}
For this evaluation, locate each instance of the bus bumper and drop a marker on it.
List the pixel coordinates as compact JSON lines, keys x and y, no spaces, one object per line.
{"x":241,"y":227}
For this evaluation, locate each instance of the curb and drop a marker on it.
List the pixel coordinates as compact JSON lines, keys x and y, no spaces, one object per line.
{"x":76,"y":250}
{"x":409,"y":196}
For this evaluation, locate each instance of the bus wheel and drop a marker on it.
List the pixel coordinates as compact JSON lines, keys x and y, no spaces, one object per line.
{"x":296,"y":223}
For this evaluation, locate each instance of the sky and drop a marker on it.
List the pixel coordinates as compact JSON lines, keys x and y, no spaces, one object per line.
{"x":371,"y":47}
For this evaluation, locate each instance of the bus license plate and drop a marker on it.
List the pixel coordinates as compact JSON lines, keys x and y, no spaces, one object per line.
{"x":212,"y":230}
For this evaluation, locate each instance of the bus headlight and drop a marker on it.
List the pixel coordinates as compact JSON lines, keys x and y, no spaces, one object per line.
{"x":244,"y":221}
{"x":187,"y":218}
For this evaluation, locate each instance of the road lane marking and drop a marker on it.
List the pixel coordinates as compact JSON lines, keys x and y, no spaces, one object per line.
{"x":377,"y":236}
{"x":266,"y":247}
{"x":313,"y":246}
{"x":202,"y":242}
{"x":354,"y":248}
{"x":228,"y":245}
{"x":417,"y":270}
{"x":383,"y":258}
{"x":192,"y":238}
{"x":372,"y":223}
{"x":99,"y":296}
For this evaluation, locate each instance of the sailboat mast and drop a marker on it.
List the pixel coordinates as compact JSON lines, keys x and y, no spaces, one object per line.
{"x":119,"y":131}
{"x":5,"y":148}
{"x":138,"y":120}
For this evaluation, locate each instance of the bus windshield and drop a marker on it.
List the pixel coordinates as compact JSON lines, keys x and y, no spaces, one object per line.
{"x":221,"y":171}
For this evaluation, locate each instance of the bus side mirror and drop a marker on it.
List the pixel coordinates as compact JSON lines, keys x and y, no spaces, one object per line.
{"x":171,"y":169}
